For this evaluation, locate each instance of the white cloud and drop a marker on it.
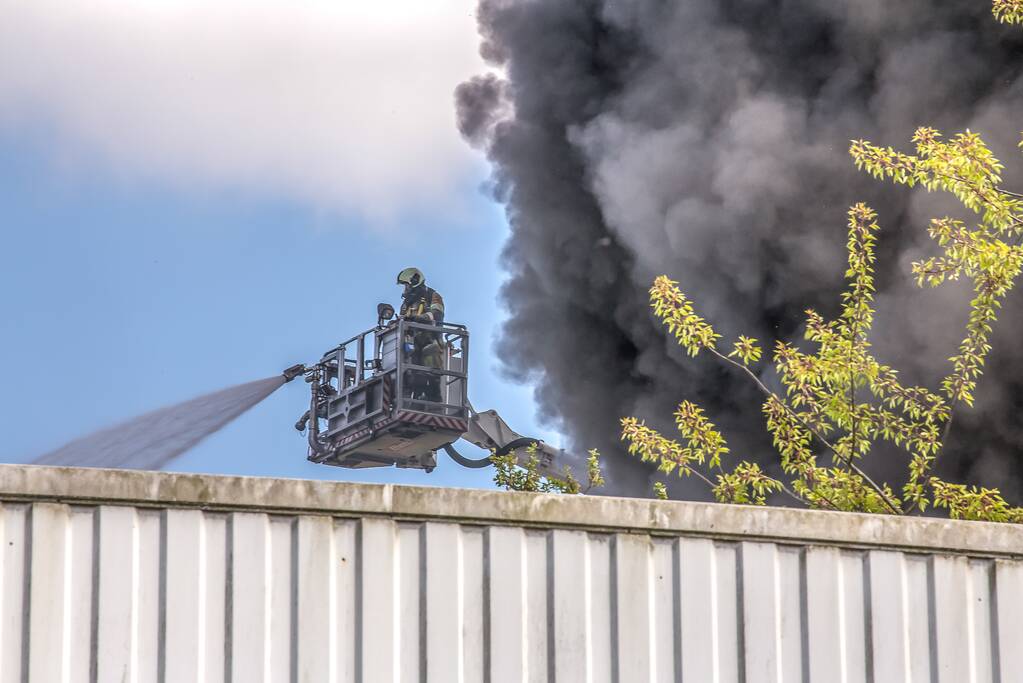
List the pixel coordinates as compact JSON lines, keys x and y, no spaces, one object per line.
{"x":344,"y":104}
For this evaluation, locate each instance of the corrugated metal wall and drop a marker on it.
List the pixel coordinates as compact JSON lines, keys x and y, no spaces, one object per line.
{"x":119,"y":593}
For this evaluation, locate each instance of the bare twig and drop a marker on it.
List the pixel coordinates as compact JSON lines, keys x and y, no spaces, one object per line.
{"x":700,"y":474}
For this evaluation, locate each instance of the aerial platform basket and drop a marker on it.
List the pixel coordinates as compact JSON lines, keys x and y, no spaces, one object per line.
{"x":375,"y":406}
{"x":376,"y":401}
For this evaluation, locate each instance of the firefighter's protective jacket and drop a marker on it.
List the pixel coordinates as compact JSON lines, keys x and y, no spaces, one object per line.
{"x":426,"y":303}
{"x":425,"y":306}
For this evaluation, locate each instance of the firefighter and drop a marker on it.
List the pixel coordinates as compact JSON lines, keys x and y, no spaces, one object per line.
{"x":422,"y":304}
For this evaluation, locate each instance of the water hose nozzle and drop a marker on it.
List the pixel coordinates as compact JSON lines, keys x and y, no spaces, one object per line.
{"x":293,"y":372}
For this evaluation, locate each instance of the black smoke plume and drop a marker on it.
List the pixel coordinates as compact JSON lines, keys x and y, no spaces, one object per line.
{"x":707,"y":140}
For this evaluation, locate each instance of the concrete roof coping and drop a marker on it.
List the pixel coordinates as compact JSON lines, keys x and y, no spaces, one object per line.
{"x":93,"y":486}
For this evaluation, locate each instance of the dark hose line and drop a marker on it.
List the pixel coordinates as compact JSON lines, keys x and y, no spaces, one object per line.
{"x":467,"y":462}
{"x":521,"y":442}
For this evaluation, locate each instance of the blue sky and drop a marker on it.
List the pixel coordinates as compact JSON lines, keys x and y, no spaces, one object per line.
{"x":132,"y":278}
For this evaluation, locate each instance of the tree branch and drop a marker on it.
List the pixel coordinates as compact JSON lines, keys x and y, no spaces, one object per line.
{"x":770,"y":394}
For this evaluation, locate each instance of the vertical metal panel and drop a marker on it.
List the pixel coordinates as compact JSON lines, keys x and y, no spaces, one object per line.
{"x":117,"y":602}
{"x":111,"y":592}
{"x":789,"y":583}
{"x":346,"y":565}
{"x":538,"y":596}
{"x":249,"y":595}
{"x":148,"y":615}
{"x":603,"y":630}
{"x":889,"y":606}
{"x":836,"y":634}
{"x":568,"y":558}
{"x":980,"y":606}
{"x":185,"y":638}
{"x":411,"y":596}
{"x":711,"y":633}
{"x":853,"y":591}
{"x":662,"y":598}
{"x":825,"y":617}
{"x":316,"y":596}
{"x":49,"y":577}
{"x":507,"y":604}
{"x":444,"y":603}
{"x":81,"y":599}
{"x":731,"y":654}
{"x":761,"y":611}
{"x":474,"y":635}
{"x":953,"y":638}
{"x":215,"y":528}
{"x":700,"y":637}
{"x":920,"y":610}
{"x":13,"y":556}
{"x":282,"y":599}
{"x":1008,"y":622}
{"x":633,"y":608}
{"x":378,"y":599}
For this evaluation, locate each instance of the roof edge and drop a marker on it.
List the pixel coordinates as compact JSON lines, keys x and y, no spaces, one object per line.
{"x":92,"y":486}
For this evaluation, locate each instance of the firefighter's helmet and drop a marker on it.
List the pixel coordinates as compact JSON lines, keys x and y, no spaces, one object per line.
{"x":411,"y":278}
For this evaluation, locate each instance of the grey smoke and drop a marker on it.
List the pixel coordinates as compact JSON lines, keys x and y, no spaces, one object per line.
{"x":708,"y":139}
{"x":151,"y":441}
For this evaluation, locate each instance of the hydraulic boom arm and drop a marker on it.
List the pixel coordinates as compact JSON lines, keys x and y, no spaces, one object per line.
{"x":490,"y":432}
